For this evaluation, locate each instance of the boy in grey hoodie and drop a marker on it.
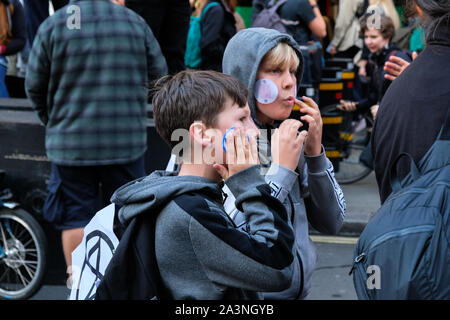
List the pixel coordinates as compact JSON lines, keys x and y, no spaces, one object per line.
{"x":199,"y":252}
{"x":271,"y":65}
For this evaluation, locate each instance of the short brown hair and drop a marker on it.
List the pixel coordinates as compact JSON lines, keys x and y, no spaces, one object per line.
{"x":193,"y":95}
{"x":386,"y":29}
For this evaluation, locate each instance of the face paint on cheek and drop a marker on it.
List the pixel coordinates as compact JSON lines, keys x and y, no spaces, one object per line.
{"x":266,"y":91}
{"x":224,"y":139}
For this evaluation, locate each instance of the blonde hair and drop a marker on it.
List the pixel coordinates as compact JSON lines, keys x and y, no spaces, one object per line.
{"x":281,"y":56}
{"x":389,"y":10}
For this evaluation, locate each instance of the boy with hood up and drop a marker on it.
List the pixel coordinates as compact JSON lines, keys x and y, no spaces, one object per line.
{"x":271,"y":65}
{"x":199,"y":252}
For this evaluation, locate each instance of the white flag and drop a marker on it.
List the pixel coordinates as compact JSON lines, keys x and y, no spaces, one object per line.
{"x":92,"y":256}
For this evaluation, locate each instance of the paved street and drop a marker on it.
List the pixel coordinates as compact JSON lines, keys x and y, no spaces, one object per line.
{"x":331,"y":280}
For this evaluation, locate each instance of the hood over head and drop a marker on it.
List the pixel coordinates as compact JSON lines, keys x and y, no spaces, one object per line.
{"x":244,"y":53}
{"x":150,"y":194}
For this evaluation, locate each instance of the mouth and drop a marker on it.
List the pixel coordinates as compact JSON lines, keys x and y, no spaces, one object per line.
{"x":289,"y":100}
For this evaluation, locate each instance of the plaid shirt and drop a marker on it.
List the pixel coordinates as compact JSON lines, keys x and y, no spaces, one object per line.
{"x":86,"y":77}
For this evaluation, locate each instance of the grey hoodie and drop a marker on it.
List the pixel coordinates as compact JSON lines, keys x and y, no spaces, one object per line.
{"x":199,"y":251}
{"x":310,"y":194}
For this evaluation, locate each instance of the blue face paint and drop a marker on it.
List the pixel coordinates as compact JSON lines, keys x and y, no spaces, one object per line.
{"x":224,"y":140}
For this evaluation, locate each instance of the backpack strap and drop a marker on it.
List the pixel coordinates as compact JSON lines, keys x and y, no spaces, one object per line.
{"x":445,"y":130}
{"x":361,"y":10}
{"x":276,"y":5}
{"x":393,"y":177}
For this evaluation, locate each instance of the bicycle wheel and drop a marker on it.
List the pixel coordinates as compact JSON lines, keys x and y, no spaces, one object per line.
{"x":23,"y":254}
{"x":350,"y":169}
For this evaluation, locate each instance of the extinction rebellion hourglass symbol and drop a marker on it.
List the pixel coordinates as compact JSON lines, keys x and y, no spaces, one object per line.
{"x":95,"y":242}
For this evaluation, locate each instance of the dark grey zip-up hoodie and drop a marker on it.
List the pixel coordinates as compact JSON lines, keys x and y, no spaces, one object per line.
{"x":199,"y":251}
{"x":310,"y":194}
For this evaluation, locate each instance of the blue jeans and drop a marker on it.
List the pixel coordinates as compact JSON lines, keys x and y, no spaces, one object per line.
{"x":3,"y":68}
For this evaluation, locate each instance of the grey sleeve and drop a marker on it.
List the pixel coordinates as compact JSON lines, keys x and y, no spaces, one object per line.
{"x":325,"y":203}
{"x":280,"y":179}
{"x":260,"y":259}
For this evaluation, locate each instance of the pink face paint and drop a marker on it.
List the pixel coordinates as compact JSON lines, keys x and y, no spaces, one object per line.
{"x":266,"y":91}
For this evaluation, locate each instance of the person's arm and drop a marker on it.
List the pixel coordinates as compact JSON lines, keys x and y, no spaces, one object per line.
{"x":259,"y":260}
{"x":156,"y":62}
{"x":19,"y":31}
{"x":38,"y":74}
{"x":324,"y":199}
{"x":317,"y":26}
{"x":211,"y":25}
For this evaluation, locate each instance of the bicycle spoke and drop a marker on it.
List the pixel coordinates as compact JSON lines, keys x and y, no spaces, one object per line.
{"x":19,"y":236}
{"x":28,"y":269}
{"x":28,"y":242}
{"x":23,"y":261}
{"x":22,"y":278}
{"x":5,"y":244}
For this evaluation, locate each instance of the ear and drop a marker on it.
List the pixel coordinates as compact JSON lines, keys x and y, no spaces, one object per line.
{"x":197,"y":131}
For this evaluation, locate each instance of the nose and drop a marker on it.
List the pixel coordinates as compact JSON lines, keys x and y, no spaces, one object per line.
{"x":288,"y":80}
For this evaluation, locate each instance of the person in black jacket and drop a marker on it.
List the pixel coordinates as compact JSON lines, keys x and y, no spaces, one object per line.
{"x":217,"y":27}
{"x":414,"y":107}
{"x":36,"y":11}
{"x":169,"y":21}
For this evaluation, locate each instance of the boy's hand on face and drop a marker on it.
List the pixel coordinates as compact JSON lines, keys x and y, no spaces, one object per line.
{"x":313,"y":143}
{"x":242,"y":152}
{"x":287,"y":143}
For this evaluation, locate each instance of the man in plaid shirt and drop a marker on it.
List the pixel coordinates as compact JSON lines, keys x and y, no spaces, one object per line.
{"x":87,"y":78}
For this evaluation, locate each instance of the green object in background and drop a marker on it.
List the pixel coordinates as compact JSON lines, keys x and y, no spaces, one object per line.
{"x":246,"y":14}
{"x":417,"y":39}
{"x":400,"y":10}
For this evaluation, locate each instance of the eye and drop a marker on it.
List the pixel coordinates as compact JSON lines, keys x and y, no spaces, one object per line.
{"x":274,"y":70}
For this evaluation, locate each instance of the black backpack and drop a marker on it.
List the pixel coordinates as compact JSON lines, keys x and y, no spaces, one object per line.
{"x":132,"y":273}
{"x":404,"y":251}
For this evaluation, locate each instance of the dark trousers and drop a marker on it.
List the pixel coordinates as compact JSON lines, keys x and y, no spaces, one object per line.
{"x":169,"y":21}
{"x":36,"y":11}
